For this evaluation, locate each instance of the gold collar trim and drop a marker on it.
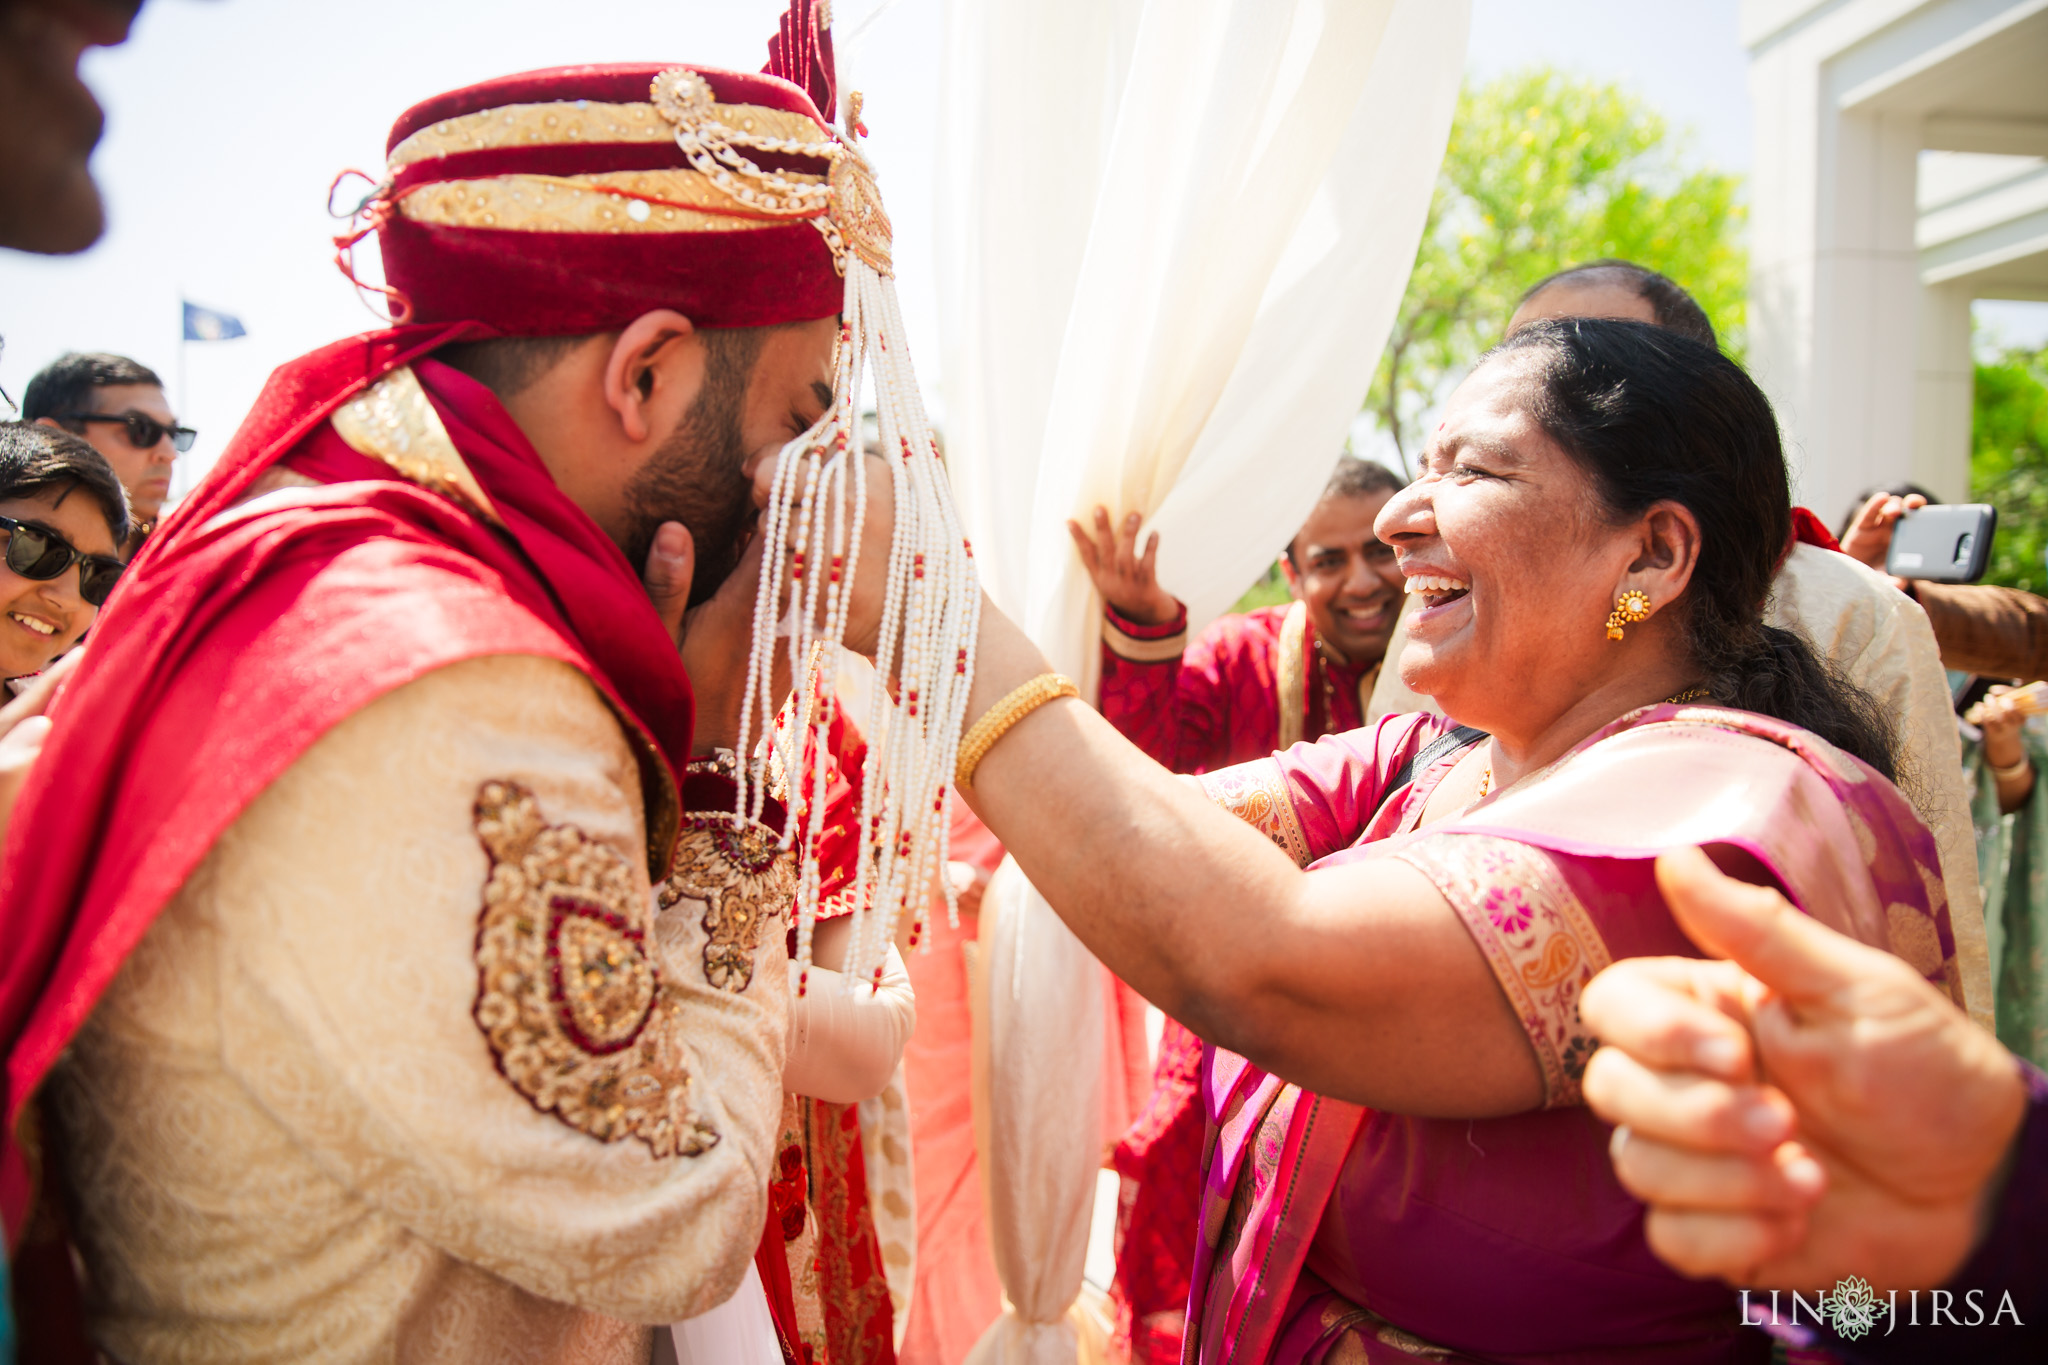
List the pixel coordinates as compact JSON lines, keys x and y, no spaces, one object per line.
{"x":392,"y":422}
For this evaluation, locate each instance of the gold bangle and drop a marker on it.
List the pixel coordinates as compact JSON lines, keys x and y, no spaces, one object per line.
{"x":997,"y":720}
{"x":2008,"y":774}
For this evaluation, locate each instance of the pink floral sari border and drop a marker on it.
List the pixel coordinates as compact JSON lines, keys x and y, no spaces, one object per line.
{"x":1258,"y":794}
{"x":1539,"y":940}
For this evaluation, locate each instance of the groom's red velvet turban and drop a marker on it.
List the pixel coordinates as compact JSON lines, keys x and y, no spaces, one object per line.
{"x":564,"y":202}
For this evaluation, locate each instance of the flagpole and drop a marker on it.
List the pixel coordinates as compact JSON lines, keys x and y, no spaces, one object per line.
{"x":184,"y":408}
{"x":180,"y":470}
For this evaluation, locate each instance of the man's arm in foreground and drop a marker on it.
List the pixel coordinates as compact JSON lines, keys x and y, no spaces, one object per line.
{"x":1983,"y":628}
{"x":1877,"y":1147}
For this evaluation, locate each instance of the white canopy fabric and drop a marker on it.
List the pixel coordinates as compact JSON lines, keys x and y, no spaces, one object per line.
{"x":1173,"y":236}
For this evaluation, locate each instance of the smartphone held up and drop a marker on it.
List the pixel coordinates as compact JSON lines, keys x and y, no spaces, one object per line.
{"x":1943,"y":543}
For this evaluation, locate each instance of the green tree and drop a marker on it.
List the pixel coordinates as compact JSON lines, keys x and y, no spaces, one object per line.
{"x":2009,"y":463}
{"x":1270,"y":590}
{"x":1544,"y":171}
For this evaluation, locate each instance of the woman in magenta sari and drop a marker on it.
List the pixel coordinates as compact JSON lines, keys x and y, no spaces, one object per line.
{"x":1337,"y":1232}
{"x":1333,"y":1231}
{"x":1399,"y":1164}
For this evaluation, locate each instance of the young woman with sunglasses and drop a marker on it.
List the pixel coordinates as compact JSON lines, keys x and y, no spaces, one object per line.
{"x":62,"y":517}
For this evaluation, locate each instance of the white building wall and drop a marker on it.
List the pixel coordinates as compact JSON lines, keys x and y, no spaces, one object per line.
{"x":1942,"y":385}
{"x":1863,"y":349}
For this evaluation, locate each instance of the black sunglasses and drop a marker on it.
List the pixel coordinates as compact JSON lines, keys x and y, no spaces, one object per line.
{"x":40,"y":554}
{"x":144,"y":431}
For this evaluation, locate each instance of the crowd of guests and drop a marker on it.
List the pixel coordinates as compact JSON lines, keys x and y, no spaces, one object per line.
{"x":1566,"y":931}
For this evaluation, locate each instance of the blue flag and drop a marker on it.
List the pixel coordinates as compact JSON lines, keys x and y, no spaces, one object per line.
{"x":204,"y":324}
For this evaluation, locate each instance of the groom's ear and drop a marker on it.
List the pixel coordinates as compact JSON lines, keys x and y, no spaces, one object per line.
{"x":653,"y":373}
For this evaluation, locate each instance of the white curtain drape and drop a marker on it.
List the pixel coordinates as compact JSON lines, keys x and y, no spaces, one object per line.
{"x":1173,"y":235}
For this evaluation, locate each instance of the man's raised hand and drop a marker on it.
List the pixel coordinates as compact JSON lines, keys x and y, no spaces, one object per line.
{"x":1126,"y":579}
{"x":1869,"y":537}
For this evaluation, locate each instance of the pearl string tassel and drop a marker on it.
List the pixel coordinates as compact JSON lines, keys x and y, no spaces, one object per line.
{"x":931,"y":611}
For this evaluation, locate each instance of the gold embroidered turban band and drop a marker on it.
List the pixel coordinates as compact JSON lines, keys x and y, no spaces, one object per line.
{"x":574,"y":200}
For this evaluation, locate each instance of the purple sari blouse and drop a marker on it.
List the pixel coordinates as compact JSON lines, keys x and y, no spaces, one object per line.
{"x":1333,"y":1232}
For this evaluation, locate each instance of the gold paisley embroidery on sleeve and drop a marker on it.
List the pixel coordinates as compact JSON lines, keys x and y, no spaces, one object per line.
{"x":744,"y":881}
{"x":1541,"y":944}
{"x":578,"y":1018}
{"x":1257,"y":793}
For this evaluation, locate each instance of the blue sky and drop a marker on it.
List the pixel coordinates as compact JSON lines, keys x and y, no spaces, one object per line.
{"x":1681,"y":55}
{"x":228,"y":118}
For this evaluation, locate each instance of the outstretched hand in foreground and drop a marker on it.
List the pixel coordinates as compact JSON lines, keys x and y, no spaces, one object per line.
{"x":1805,"y":1110}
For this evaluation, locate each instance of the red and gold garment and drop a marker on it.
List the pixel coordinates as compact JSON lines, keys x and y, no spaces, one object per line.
{"x":231,"y":650}
{"x":820,"y":1256}
{"x":820,"y":1247}
{"x":1248,"y":685}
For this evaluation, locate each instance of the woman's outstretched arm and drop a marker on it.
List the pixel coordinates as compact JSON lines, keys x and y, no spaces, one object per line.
{"x":1359,"y":982}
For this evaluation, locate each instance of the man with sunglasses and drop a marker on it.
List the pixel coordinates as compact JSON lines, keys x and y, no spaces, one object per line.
{"x":119,"y":406}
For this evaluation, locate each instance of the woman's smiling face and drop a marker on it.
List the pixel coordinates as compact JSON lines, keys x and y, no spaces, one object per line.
{"x":1504,"y":540}
{"x":41,"y":620}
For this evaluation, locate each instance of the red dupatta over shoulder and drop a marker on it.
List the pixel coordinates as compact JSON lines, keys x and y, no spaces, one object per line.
{"x":235,"y":641}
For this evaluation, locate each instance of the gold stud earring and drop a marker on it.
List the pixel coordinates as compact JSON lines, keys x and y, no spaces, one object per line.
{"x":1631,"y":607}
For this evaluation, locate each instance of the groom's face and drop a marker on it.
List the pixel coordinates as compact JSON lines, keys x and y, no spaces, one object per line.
{"x":762,"y":388}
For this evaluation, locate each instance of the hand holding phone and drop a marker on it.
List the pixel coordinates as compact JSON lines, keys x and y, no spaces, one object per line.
{"x":1945,"y":543}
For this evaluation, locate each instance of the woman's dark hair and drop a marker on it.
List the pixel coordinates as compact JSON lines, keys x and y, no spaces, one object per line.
{"x":37,"y":459}
{"x":1652,"y":415}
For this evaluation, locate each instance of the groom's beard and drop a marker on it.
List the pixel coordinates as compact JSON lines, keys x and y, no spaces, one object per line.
{"x":696,"y":478}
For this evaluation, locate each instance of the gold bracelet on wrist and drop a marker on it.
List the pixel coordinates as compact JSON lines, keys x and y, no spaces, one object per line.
{"x":2011,"y":774}
{"x":997,"y":720}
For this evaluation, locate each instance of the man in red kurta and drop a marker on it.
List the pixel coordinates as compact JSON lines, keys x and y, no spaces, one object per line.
{"x":1265,"y":679}
{"x":1249,"y":684}
{"x":338,"y":1006}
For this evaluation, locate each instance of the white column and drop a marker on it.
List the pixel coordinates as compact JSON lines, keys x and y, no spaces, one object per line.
{"x":1942,"y":393}
{"x":1785,"y":94}
{"x":1834,"y":285}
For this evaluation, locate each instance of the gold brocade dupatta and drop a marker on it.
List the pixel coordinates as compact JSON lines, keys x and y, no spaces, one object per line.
{"x":1295,"y":657}
{"x":1290,"y":675}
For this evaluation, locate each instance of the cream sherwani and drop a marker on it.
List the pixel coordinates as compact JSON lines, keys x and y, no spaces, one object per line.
{"x":1880,"y":640}
{"x":390,"y":1080}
